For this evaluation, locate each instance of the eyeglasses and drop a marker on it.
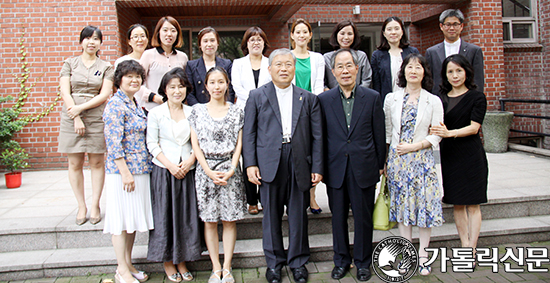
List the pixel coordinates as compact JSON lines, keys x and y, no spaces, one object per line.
{"x":449,"y":25}
{"x":138,"y":37}
{"x":341,"y":67}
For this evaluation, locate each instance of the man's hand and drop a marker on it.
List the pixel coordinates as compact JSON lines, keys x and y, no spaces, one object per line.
{"x":253,"y":173}
{"x":316,"y":178}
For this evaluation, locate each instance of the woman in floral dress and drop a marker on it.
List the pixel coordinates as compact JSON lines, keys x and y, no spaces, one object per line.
{"x":412,"y":179}
{"x":216,"y":136}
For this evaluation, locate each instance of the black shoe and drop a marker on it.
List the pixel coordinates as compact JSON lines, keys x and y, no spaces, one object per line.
{"x":273,"y":275}
{"x":300,"y":274}
{"x":363,"y":274}
{"x":339,"y":272}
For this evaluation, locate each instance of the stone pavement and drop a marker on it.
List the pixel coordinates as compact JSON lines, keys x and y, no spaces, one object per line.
{"x":320,"y":273}
{"x":46,"y":203}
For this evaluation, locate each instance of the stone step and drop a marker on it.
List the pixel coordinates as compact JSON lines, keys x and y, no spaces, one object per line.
{"x":66,"y":235}
{"x":63,"y":262}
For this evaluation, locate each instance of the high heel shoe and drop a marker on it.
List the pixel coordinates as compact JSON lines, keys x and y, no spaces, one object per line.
{"x":424,"y":267}
{"x":119,"y":279}
{"x":141,"y":276}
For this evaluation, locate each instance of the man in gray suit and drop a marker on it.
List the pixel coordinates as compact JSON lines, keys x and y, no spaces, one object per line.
{"x":283,"y":154}
{"x":451,"y":23}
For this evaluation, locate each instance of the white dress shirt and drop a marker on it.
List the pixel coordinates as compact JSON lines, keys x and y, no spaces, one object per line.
{"x":452,"y":48}
{"x":284,"y":98}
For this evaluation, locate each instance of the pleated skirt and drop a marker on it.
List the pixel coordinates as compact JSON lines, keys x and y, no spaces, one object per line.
{"x":178,"y":230}
{"x":127,"y":211}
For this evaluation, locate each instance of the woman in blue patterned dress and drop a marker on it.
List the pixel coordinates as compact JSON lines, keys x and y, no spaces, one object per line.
{"x":127,"y":170}
{"x":216,"y":136}
{"x":412,"y":178}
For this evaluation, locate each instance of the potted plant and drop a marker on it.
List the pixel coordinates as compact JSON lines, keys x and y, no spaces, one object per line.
{"x":12,"y":156}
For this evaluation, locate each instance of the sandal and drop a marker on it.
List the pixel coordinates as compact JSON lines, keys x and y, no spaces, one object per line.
{"x":253,"y":209}
{"x":141,"y":276}
{"x":423,"y":267}
{"x":226,"y":278}
{"x":214,"y":277}
{"x":176,"y":277}
{"x":187,"y":276}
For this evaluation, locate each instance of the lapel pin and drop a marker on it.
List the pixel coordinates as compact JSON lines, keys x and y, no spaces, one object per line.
{"x":300,"y":98}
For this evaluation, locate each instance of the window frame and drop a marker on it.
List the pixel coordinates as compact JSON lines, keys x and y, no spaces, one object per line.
{"x":511,"y":21}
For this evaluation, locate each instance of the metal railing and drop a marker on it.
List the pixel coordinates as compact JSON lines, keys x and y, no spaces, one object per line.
{"x":503,"y":101}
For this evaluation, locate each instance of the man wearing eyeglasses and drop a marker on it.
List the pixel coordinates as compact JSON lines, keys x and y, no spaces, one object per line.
{"x":451,"y":23}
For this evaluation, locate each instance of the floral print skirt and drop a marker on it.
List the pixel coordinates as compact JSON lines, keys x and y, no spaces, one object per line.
{"x":414,"y":189}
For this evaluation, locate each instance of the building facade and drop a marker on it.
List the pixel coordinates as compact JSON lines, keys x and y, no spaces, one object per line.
{"x":514,"y":36}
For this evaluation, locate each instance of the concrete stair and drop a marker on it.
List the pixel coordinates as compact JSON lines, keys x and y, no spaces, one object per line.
{"x":46,"y":244}
{"x":72,"y":250}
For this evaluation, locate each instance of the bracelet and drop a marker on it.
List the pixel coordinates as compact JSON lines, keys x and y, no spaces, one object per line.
{"x":233,"y":168}
{"x":456,"y":133}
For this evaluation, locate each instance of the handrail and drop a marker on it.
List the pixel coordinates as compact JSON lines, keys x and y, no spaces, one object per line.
{"x":503,"y":102}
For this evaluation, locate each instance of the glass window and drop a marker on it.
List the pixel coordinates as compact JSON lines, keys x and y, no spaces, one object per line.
{"x":519,"y":21}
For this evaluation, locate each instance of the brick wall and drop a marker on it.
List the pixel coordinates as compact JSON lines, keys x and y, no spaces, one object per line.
{"x":53,"y":28}
{"x":52,"y":34}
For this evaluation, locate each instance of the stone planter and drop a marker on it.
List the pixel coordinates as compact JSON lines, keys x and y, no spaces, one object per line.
{"x":496,"y":128}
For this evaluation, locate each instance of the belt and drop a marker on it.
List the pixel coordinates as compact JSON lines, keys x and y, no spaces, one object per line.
{"x":286,"y":140}
{"x":84,"y":94}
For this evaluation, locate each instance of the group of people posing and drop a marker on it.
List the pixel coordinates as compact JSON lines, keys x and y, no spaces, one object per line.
{"x":190,"y":143}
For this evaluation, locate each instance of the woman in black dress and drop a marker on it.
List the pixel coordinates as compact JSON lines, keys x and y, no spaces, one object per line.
{"x":463,"y":160}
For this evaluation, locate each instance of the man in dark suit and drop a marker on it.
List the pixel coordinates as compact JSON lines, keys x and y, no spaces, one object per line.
{"x":451,"y":23}
{"x":355,"y":151}
{"x":283,"y":154}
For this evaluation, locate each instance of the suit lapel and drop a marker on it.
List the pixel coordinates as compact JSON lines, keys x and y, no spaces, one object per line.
{"x":297,"y":101}
{"x":201,"y":68}
{"x":271,"y":95}
{"x":463,"y":48}
{"x":358,"y":106}
{"x":339,"y":109}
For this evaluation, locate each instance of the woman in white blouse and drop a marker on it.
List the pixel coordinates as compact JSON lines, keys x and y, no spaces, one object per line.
{"x":177,"y":234}
{"x":249,"y":73}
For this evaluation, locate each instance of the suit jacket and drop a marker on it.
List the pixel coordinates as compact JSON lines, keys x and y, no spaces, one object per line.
{"x":436,"y":54}
{"x":363,"y":144}
{"x":196,"y":73}
{"x":263,"y":136}
{"x":243,"y":78}
{"x":430,"y":112}
{"x":317,"y":63}
{"x":381,"y":69}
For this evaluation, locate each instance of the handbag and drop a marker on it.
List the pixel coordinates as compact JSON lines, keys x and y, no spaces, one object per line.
{"x":381,"y":215}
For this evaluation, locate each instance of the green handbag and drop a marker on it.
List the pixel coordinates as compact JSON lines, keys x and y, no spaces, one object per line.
{"x":381,"y":215}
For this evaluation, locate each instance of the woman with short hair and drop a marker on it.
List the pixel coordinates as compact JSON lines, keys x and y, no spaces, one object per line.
{"x":127,"y":170}
{"x":412,"y":179}
{"x":249,"y":73}
{"x":345,"y":35}
{"x":209,"y":41}
{"x":85,"y":84}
